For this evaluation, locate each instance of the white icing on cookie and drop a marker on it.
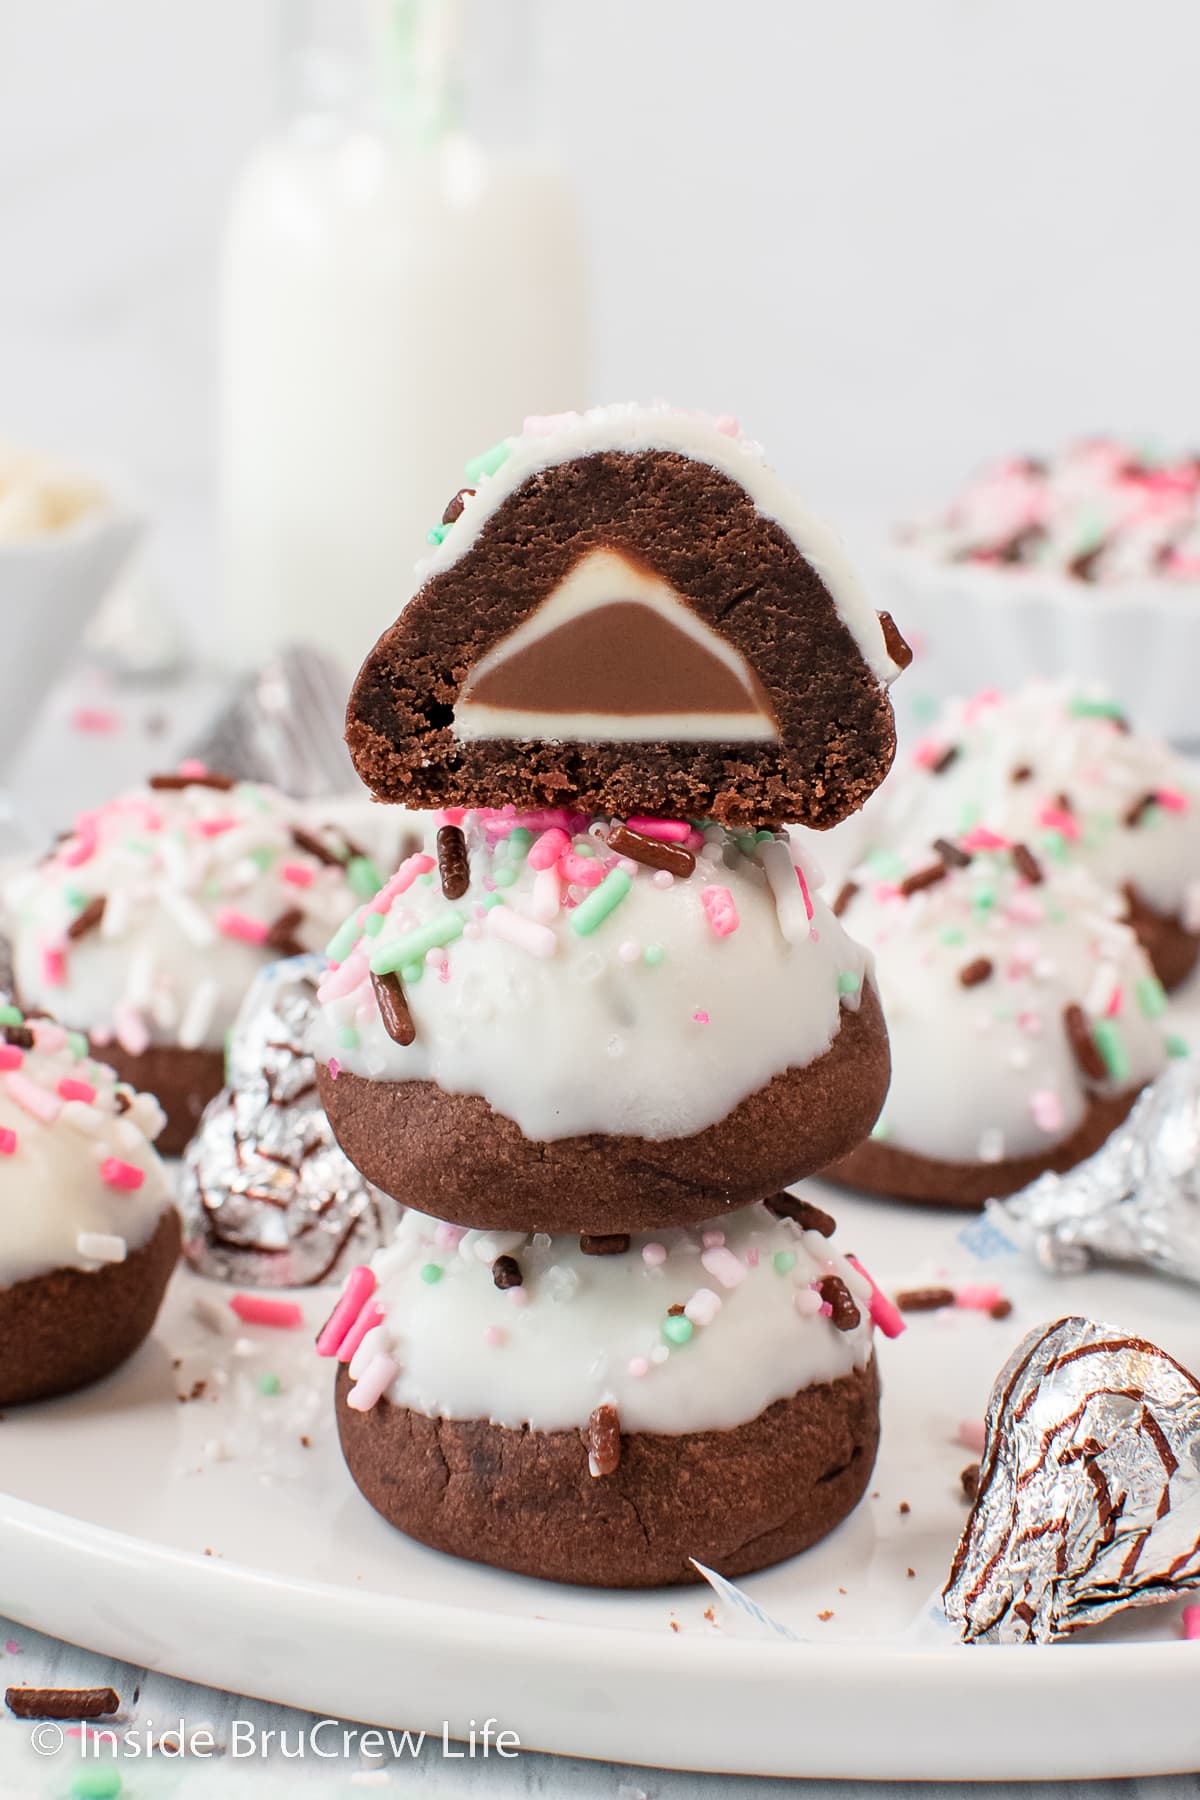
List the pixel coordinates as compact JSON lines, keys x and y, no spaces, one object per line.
{"x":719,"y":443}
{"x":192,"y":880}
{"x":1134,"y":806}
{"x":80,"y":1181}
{"x":585,"y":1331}
{"x":648,"y":1022}
{"x":975,"y":973}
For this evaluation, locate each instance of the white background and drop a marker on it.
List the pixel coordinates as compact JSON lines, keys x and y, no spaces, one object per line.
{"x":894,"y":236}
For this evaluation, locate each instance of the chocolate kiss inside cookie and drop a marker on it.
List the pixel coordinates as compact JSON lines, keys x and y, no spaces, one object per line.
{"x":632,"y":630}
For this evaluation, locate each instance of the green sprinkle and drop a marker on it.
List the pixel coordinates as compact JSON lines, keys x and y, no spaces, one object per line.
{"x":968,"y":818}
{"x":952,"y":934}
{"x":505,"y":875}
{"x":269,"y":1383}
{"x":491,"y":900}
{"x":881,"y":1130}
{"x":431,"y":1273}
{"x":78,"y":1045}
{"x":887,"y":864}
{"x":1152,"y":997}
{"x":1111,"y":1046}
{"x":263,"y":858}
{"x":1055,"y":845}
{"x":437,"y":534}
{"x":411,"y":946}
{"x":11,"y":1015}
{"x":411,"y":973}
{"x":1176,"y":1046}
{"x":96,"y":1784}
{"x":600,"y":902}
{"x":488,"y":461}
{"x":584,"y":848}
{"x":1095,"y":709}
{"x":373,"y":924}
{"x":783,"y":1262}
{"x":925,"y":707}
{"x":364,"y":878}
{"x":983,"y":900}
{"x":653,"y":954}
{"x":763,"y":837}
{"x":347,"y":1037}
{"x":746,"y":843}
{"x":1151,"y":816}
{"x":75,"y":898}
{"x":677,"y":1328}
{"x":343,"y":940}
{"x":1055,"y":913}
{"x":139,"y":846}
{"x":520,"y":837}
{"x":849,"y":982}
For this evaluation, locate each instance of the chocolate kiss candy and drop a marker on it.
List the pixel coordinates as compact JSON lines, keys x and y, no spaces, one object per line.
{"x":267,"y":1197}
{"x":1089,"y":1488}
{"x":1136,"y":1201}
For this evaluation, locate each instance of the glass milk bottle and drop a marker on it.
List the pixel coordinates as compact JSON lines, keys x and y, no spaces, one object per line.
{"x":395,"y":296}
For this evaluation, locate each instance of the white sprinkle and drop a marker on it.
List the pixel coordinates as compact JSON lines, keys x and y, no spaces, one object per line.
{"x":195,"y":924}
{"x":560,"y":1282}
{"x":214,"y":1317}
{"x":807,"y":1302}
{"x":373,"y":1345}
{"x":147,"y":1115}
{"x":488,"y":1245}
{"x":139,"y":982}
{"x":991,"y":1144}
{"x":197,"y":1015}
{"x":659,"y":1354}
{"x":790,"y":910}
{"x":97,"y":1246}
{"x":132,"y":1032}
{"x":127,"y":1134}
{"x":724,"y":1266}
{"x":216,"y":1450}
{"x":82,"y":1117}
{"x":116,"y":914}
{"x":546,"y":899}
{"x":703,"y":1307}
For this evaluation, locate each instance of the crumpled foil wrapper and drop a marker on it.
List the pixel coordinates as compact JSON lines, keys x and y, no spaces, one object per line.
{"x":283,"y":724}
{"x":1137,"y":1200}
{"x":1089,"y":1488}
{"x":268,"y":1199}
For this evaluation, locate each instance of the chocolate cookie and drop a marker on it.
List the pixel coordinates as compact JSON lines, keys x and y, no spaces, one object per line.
{"x":627,"y":614}
{"x":1173,"y":949}
{"x":452,"y":1156}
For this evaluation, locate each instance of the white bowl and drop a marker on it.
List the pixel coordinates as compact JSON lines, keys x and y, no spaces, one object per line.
{"x":972,"y":626}
{"x":49,"y":587}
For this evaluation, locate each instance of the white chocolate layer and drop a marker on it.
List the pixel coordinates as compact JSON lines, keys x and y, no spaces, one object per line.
{"x":589,"y":1330}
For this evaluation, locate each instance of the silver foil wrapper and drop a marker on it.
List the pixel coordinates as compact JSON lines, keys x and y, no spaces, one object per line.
{"x":1089,"y":1488}
{"x":1136,"y":1201}
{"x":267,"y":1197}
{"x":283,"y":724}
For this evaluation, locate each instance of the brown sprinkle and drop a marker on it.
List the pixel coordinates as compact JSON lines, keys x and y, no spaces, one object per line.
{"x":453,"y":866}
{"x":1084,"y":1047}
{"x":506,"y":1272}
{"x":945,"y":761}
{"x":923,"y":878}
{"x":806,"y":1215}
{"x":62,"y":1703}
{"x":970,"y":1482}
{"x":904,"y":1508}
{"x":1000,"y":1309}
{"x":454,"y":507}
{"x":1023,"y":773}
{"x":837,"y":1295}
{"x":615,"y":1244}
{"x":282,"y":935}
{"x":929,"y":1299}
{"x":846,"y":894}
{"x":1139,"y":809}
{"x":312,"y":845}
{"x":88,"y":919}
{"x":1027,"y":864}
{"x":896,"y":646}
{"x":651,"y":852}
{"x":951,"y":854}
{"x":393,"y":1009}
{"x":19,"y":1036}
{"x":674,"y":1312}
{"x":173,"y":784}
{"x":974,"y":972}
{"x":604,"y":1440}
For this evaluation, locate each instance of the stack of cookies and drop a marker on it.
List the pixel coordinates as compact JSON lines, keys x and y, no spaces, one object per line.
{"x":592,"y":1030}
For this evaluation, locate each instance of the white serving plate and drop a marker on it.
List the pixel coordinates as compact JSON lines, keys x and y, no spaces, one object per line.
{"x":265,"y":1573}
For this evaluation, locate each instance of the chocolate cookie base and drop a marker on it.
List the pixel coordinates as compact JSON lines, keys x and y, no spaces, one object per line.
{"x":1173,"y":950}
{"x":71,"y":1327}
{"x":524,"y":1500}
{"x":738,"y":571}
{"x":452,"y":1156}
{"x":877,"y":1167}
{"x":182,"y":1081}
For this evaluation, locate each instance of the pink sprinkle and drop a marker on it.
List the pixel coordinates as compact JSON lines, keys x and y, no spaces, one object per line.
{"x":360,"y":1285}
{"x":712,"y":1239}
{"x":639,"y":1366}
{"x":494,"y":1336}
{"x":1172,"y":800}
{"x":12,"y":1648}
{"x":70,"y":1089}
{"x":211,"y":828}
{"x":752,"y":1258}
{"x":123,"y":1175}
{"x":48,"y":1036}
{"x":727,"y":425}
{"x":654,"y":1255}
{"x":450,"y":815}
{"x":8,"y":1141}
{"x":261,"y":1309}
{"x":193,"y":768}
{"x":370,"y":1316}
{"x":884,"y":1312}
{"x":703,"y":1306}
{"x":629,"y":951}
{"x":719,"y":908}
{"x":980,"y":838}
{"x":978,"y":1298}
{"x":380,"y":1374}
{"x":723,"y":1266}
{"x":825,"y":1310}
{"x":1191,"y":1622}
{"x":11,"y":1056}
{"x":518,"y":1296}
{"x":526,"y":934}
{"x":584,"y":871}
{"x":334,"y":1067}
{"x":81,"y":849}
{"x":1056,"y":818}
{"x":547,"y":424}
{"x":234,"y":924}
{"x":662,"y":878}
{"x":35,"y":1100}
{"x":402,"y":880}
{"x":927,"y":753}
{"x":54,"y":966}
{"x":972,"y":1434}
{"x":807,"y":897}
{"x":700,"y":1018}
{"x":980,"y":702}
{"x":448,"y":1237}
{"x":545,"y":851}
{"x":133,"y":1034}
{"x":808,"y":1303}
{"x":668,"y":831}
{"x":297,"y":874}
{"x":337,"y":983}
{"x":95,"y":719}
{"x":1046,"y":1108}
{"x":1115,"y":1002}
{"x":1030,"y":1023}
